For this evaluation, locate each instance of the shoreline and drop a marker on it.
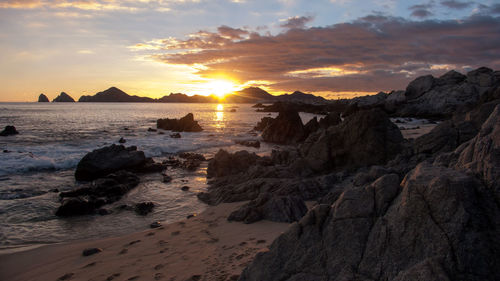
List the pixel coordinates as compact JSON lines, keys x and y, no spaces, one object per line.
{"x":206,"y":247}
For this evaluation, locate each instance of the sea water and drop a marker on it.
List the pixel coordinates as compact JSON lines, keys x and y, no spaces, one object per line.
{"x":40,"y":161}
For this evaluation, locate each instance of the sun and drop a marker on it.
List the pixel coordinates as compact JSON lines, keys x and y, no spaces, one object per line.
{"x":220,"y":88}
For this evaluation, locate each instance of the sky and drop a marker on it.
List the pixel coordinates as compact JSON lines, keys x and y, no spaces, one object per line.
{"x":333,"y":48}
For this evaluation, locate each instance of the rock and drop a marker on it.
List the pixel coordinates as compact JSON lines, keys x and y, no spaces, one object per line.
{"x":9,"y":131}
{"x":443,"y":219}
{"x":91,"y":251}
{"x":185,"y":188}
{"x":175,"y":136}
{"x":365,"y":138}
{"x":332,"y":119}
{"x":263,"y":123}
{"x":122,"y":140}
{"x":450,"y":78}
{"x":190,"y":216}
{"x":287,"y":128}
{"x":370,"y":101}
{"x":152,"y":130}
{"x":483,"y":77}
{"x":225,"y":163}
{"x":419,"y":86}
{"x":249,"y":143}
{"x":185,"y":124}
{"x":273,"y":208}
{"x":103,"y":161}
{"x":103,"y":212}
{"x":191,"y":155}
{"x":43,"y":98}
{"x":258,"y":105}
{"x":155,"y":224}
{"x":394,"y":100}
{"x":167,"y":178}
{"x":144,"y":208}
{"x":76,"y":206}
{"x":63,"y":97}
{"x":311,"y":126}
{"x":149,"y":166}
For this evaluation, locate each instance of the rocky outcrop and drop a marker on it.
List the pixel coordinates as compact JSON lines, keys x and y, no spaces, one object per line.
{"x":63,"y":97}
{"x":263,"y":123}
{"x":106,"y":160}
{"x":365,"y":138}
{"x":332,"y":119}
{"x":441,"y":224}
{"x":287,"y":128}
{"x":225,"y":163}
{"x":273,"y":208}
{"x":114,"y":94}
{"x":184,"y":124}
{"x":87,"y":199}
{"x":9,"y":131}
{"x":249,"y":143}
{"x":43,"y":98}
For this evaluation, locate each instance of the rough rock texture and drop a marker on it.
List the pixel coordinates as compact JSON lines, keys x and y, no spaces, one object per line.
{"x":365,"y":138}
{"x":311,"y":126}
{"x":185,"y":124}
{"x":9,"y":131}
{"x":287,"y":128}
{"x":394,"y":100}
{"x":439,"y":225}
{"x":370,"y":101}
{"x":103,"y":161}
{"x":63,"y":97}
{"x":249,"y":143}
{"x":273,"y":208}
{"x":332,"y":119}
{"x":43,"y":98}
{"x":225,"y":163}
{"x":86,"y":200}
{"x":144,"y":208}
{"x":263,"y":123}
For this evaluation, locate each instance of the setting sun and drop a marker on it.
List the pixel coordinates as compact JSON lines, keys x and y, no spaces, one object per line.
{"x":220,"y":88}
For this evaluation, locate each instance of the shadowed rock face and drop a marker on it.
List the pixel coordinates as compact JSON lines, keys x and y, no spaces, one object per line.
{"x":225,"y":163}
{"x":184,"y":124}
{"x":63,"y":97}
{"x":43,"y":98}
{"x":287,"y":128}
{"x":440,"y":224}
{"x":9,"y":131}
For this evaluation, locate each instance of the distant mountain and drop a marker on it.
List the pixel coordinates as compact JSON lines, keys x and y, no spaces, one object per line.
{"x":250,"y":95}
{"x":298,"y":96}
{"x":63,"y":97}
{"x":43,"y":98}
{"x":114,"y":94}
{"x":178,"y":97}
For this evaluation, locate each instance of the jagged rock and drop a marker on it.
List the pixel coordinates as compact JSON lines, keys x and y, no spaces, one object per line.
{"x":122,"y":140}
{"x":103,"y":161}
{"x":483,"y":77}
{"x":225,"y":163}
{"x":332,"y":119}
{"x":419,"y":86}
{"x":91,"y":251}
{"x":287,"y":128}
{"x":263,"y":123}
{"x":76,"y":206}
{"x":365,"y":138}
{"x":144,"y":208}
{"x":184,"y":124}
{"x":43,"y":98}
{"x":273,"y":208}
{"x":9,"y":131}
{"x":440,"y":225}
{"x":249,"y":143}
{"x":63,"y":97}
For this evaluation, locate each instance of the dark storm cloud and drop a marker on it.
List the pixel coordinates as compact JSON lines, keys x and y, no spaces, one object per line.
{"x":370,"y":54}
{"x":459,"y":5}
{"x":421,"y":11}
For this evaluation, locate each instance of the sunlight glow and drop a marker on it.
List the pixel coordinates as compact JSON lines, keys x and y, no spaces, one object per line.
{"x":220,"y":88}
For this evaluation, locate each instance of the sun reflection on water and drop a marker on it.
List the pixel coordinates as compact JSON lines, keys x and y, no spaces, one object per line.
{"x":219,"y":116}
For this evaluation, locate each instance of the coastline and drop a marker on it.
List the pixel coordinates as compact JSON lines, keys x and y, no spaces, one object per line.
{"x":206,"y":247}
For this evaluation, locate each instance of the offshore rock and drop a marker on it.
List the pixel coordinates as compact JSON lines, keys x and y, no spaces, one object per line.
{"x":287,"y":128}
{"x":184,"y":124}
{"x":43,"y":98}
{"x":9,"y":131}
{"x":63,"y":97}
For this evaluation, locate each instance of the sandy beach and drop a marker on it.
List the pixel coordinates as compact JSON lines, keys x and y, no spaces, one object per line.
{"x":205,"y":247}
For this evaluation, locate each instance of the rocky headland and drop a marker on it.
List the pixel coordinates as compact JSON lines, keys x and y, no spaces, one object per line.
{"x":63,"y":97}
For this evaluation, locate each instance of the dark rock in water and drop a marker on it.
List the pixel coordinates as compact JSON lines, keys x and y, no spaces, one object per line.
{"x":446,"y":222}
{"x":103,"y":212}
{"x":91,"y":251}
{"x":103,"y":161}
{"x":86,"y":200}
{"x":191,"y":155}
{"x":122,"y":140}
{"x":258,"y":105}
{"x":225,"y":163}
{"x":273,"y":208}
{"x":54,"y":190}
{"x":167,"y":178}
{"x":263,"y":123}
{"x":144,"y":208}
{"x":149,"y":166}
{"x":9,"y":131}
{"x":155,"y":224}
{"x":365,"y":138}
{"x":63,"y":97}
{"x":175,"y":136}
{"x":185,"y":124}
{"x":152,"y":130}
{"x":332,"y":119}
{"x":249,"y":143}
{"x":287,"y":128}
{"x":43,"y":98}
{"x":185,"y":188}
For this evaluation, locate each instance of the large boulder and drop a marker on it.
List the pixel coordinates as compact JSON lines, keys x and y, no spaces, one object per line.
{"x":43,"y":98}
{"x":9,"y":131}
{"x":184,"y":124}
{"x":106,"y":160}
{"x":332,"y":119}
{"x":439,"y":225}
{"x":225,"y":163}
{"x":365,"y":138}
{"x":263,"y":123}
{"x":419,"y":86}
{"x":287,"y":128}
{"x":273,"y":208}
{"x":63,"y":97}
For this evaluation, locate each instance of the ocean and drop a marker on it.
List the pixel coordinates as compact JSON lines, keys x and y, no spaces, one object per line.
{"x":53,"y":137}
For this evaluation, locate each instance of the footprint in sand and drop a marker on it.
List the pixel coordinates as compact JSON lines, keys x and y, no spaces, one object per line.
{"x":124,"y":251}
{"x":66,"y":276}
{"x":89,"y":265}
{"x":112,"y":277}
{"x":159,"y":276}
{"x":134,"y":278}
{"x":150,"y":234}
{"x":134,"y":242}
{"x":158,"y":266}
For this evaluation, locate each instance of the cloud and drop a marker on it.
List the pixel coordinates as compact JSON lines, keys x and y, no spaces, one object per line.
{"x":370,"y":54}
{"x":454,"y":4}
{"x":296,"y":22}
{"x":422,"y":10}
